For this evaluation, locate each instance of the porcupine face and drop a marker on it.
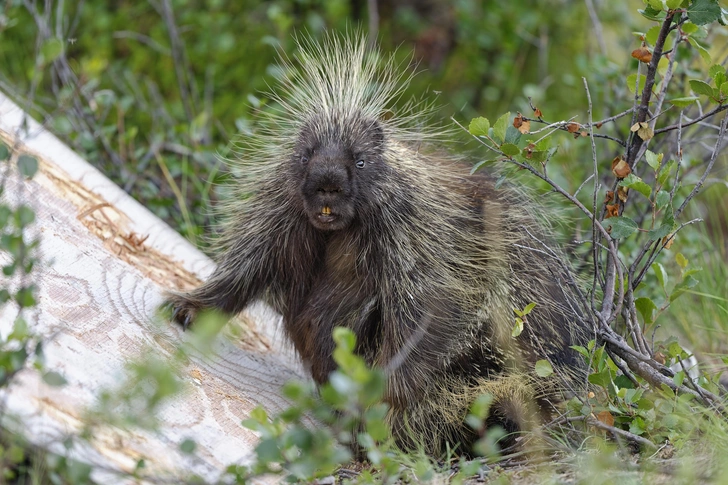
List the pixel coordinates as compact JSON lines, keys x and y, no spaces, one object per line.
{"x":337,"y":164}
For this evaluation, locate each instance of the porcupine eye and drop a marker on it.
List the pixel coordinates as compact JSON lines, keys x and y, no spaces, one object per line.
{"x":304,"y":160}
{"x":360,"y":163}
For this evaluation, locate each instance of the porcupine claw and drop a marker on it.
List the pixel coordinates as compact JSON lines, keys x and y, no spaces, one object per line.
{"x":185,"y":321}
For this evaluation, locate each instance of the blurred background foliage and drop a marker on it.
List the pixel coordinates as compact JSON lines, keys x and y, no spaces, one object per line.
{"x":152,"y":92}
{"x":182,"y":77}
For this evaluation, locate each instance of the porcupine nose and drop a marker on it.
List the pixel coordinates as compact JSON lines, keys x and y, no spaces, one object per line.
{"x":328,"y":174}
{"x":330,"y":183}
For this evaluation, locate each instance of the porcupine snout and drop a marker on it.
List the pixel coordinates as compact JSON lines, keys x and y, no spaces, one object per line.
{"x":328,"y":189}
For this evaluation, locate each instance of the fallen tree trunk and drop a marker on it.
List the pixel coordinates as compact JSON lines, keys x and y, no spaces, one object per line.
{"x":104,"y":261}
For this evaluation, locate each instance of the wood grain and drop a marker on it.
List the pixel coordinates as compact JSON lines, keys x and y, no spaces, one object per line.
{"x":105,"y":261}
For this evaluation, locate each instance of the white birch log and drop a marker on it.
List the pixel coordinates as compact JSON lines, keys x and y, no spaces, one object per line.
{"x":105,"y":261}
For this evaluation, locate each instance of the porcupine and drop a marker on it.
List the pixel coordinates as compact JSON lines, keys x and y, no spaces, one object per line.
{"x":345,"y":216}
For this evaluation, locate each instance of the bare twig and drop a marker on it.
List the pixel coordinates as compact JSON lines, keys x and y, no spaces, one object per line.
{"x":713,"y":157}
{"x":598,"y":31}
{"x":620,"y":433}
{"x":700,"y":118}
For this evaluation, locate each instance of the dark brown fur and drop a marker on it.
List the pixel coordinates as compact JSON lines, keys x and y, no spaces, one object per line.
{"x":421,"y":260}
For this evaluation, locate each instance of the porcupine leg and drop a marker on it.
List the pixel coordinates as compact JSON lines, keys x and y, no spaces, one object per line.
{"x":212,"y":295}
{"x":239,"y":278}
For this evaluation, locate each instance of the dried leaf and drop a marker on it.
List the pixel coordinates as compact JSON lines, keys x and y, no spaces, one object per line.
{"x":598,"y":125}
{"x":612,"y":211}
{"x":572,"y":127}
{"x":645,"y":132}
{"x":537,"y":113}
{"x":622,"y":193}
{"x":524,"y":126}
{"x":660,"y":357}
{"x":606,"y":418}
{"x":583,"y":133}
{"x":609,"y":197}
{"x":642,"y":54}
{"x":529,"y":150}
{"x":668,"y":240}
{"x":591,"y":395}
{"x":620,"y":168}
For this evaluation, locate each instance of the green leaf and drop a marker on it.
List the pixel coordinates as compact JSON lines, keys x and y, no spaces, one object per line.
{"x":24,"y":297}
{"x":662,"y":65}
{"x":654,"y":160}
{"x":187,"y":446}
{"x":724,"y":89}
{"x":656,"y":4}
{"x":537,"y":156}
{"x":621,"y":226}
{"x":637,"y":426}
{"x":673,"y":4}
{"x":27,"y":165}
{"x":700,"y":87}
{"x":651,"y":35}
{"x":517,"y":328}
{"x":583,"y":351}
{"x":701,"y":12}
{"x":479,"y":126}
{"x":701,"y":50}
{"x":634,"y":182}
{"x":646,"y":309}
{"x":480,"y":165}
{"x":666,"y":226}
{"x":660,"y":273}
{"x":717,"y":72}
{"x":662,"y":199}
{"x":481,"y":406}
{"x":500,"y":127}
{"x":683,"y":102}
{"x":665,"y":173}
{"x":24,"y":216}
{"x":678,"y":379}
{"x":344,"y":338}
{"x":601,"y":379}
{"x":681,"y":260}
{"x":652,"y":14}
{"x":529,"y":307}
{"x":4,"y":151}
{"x":51,"y":49}
{"x":689,"y":28}
{"x":512,"y":135}
{"x":680,"y":288}
{"x":54,"y":379}
{"x":259,"y":415}
{"x":510,"y":149}
{"x":543,"y":368}
{"x":632,"y":79}
{"x":268,"y":451}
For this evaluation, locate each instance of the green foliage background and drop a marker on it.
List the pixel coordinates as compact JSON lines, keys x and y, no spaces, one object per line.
{"x":496,"y":54}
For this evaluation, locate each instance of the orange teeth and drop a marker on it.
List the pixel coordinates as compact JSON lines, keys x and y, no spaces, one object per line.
{"x":326,"y":211}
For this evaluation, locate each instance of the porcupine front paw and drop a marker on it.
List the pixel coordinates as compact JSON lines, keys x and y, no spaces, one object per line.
{"x":184,"y":311}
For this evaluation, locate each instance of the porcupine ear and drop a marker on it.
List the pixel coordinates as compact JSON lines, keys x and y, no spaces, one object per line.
{"x":376,"y":132}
